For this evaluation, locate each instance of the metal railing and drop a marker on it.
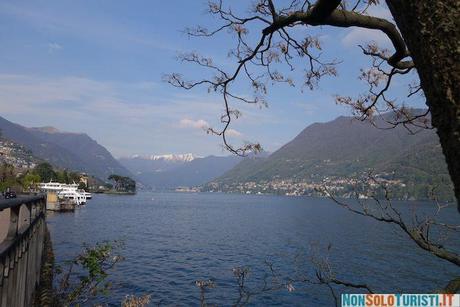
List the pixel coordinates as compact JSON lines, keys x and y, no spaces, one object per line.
{"x":22,"y":249}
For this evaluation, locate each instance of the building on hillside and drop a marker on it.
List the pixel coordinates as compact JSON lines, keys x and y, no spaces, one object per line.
{"x":84,"y":178}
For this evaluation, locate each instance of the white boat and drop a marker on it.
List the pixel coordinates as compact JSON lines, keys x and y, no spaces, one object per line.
{"x":74,"y":196}
{"x":66,"y":191}
{"x":87,"y":194}
{"x":51,"y":186}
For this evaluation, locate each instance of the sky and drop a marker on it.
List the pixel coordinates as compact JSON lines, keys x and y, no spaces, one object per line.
{"x":97,"y":67}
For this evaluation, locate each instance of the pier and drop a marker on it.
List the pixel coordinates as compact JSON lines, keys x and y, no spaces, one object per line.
{"x":22,"y":234}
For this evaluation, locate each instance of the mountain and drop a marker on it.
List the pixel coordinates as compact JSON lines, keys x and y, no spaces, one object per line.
{"x":74,"y":151}
{"x":138,"y":164}
{"x":346,"y":147}
{"x":172,"y":157}
{"x":16,"y":155}
{"x":46,"y":129}
{"x":171,"y":171}
{"x":168,"y":157}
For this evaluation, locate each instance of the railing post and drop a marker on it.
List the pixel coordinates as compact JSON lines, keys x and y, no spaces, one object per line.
{"x":29,"y":208}
{"x":14,"y":223}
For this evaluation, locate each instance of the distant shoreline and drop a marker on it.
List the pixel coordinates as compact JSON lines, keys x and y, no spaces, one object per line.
{"x":115,"y":192}
{"x":284,"y":195}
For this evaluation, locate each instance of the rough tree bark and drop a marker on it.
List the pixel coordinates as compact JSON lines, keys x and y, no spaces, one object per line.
{"x":431,"y":31}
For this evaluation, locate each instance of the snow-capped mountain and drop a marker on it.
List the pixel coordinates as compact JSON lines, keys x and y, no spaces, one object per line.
{"x":156,"y":163}
{"x":172,"y":157}
{"x":187,"y":157}
{"x":170,"y":171}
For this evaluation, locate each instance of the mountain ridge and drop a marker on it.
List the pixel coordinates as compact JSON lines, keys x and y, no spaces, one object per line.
{"x":186,"y":157}
{"x":161,"y":174}
{"x":74,"y":151}
{"x":347,"y":147}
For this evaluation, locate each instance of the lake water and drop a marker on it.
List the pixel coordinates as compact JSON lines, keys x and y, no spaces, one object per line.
{"x":173,"y":239}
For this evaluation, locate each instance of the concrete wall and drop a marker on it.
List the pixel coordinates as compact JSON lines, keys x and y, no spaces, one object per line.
{"x":21,"y":252}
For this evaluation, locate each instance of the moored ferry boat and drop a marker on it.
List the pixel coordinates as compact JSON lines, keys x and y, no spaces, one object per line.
{"x":68,"y":192}
{"x":87,"y":194}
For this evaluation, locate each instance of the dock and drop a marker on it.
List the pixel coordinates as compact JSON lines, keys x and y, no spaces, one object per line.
{"x":54,"y":203}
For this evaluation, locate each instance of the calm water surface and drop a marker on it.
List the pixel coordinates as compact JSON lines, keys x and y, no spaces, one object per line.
{"x":173,"y":239}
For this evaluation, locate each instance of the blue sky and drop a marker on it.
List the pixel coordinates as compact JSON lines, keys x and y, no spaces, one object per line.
{"x":97,"y":67}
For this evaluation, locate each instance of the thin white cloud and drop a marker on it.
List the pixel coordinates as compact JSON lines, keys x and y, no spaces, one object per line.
{"x":24,"y":94}
{"x":76,"y":104}
{"x":358,"y":36}
{"x":54,"y":47}
{"x":309,"y":107}
{"x":234,"y":133}
{"x":109,"y":111}
{"x":83,"y":25}
{"x":201,"y":124}
{"x":196,"y":124}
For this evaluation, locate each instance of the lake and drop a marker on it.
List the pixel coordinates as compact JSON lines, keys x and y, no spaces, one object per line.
{"x":173,"y":239}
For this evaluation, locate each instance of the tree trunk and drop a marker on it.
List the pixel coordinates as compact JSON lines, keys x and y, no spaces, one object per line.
{"x":431,"y":31}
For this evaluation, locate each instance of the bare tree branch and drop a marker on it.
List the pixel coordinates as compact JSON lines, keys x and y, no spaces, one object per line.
{"x":419,"y":232}
{"x":341,"y":18}
{"x":275,"y":45}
